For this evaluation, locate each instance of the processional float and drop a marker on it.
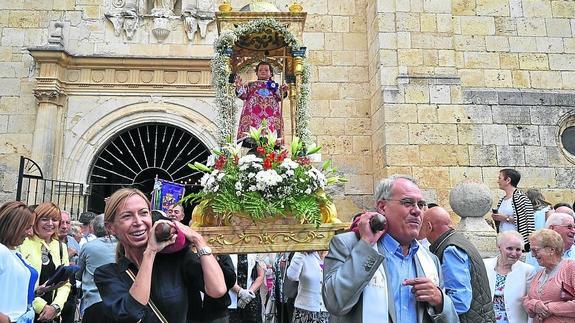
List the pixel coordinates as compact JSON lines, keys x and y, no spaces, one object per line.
{"x":272,"y":198}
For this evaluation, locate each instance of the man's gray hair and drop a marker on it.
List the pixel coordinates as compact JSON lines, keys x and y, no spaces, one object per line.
{"x":557,"y":219}
{"x":99,"y":226}
{"x":383,"y":189}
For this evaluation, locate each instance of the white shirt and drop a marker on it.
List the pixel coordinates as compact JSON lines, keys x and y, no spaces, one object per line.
{"x":14,"y":278}
{"x":506,"y":208}
{"x":306,"y":268}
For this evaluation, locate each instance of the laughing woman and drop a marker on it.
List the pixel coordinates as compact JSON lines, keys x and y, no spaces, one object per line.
{"x":551,"y":296}
{"x":145,"y":285}
{"x":45,"y":253}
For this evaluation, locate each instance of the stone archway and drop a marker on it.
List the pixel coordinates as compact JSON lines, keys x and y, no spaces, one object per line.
{"x":135,"y":156}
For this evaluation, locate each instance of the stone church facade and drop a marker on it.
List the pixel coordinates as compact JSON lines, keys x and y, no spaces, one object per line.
{"x":444,"y":90}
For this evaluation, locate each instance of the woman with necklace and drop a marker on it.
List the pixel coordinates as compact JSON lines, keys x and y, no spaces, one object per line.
{"x":509,"y":278}
{"x":45,"y":253}
{"x":551,"y":297}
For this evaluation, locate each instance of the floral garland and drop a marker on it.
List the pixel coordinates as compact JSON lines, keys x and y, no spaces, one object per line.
{"x":225,"y":96}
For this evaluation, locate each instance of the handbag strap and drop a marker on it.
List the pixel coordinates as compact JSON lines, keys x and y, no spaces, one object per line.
{"x":150,"y":302}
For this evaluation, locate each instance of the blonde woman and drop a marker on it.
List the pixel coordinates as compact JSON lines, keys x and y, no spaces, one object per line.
{"x":140,"y":271}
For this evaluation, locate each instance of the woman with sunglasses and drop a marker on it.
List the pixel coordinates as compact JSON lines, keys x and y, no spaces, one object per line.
{"x":551,"y":296}
{"x":45,"y":253}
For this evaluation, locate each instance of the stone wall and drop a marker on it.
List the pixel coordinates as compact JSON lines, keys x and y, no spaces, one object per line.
{"x":470,"y":87}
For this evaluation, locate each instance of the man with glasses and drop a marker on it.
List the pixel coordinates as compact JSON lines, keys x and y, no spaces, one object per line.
{"x":466,"y":280}
{"x":563,"y":224}
{"x":386,"y":276}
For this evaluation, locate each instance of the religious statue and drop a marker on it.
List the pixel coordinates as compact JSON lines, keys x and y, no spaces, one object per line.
{"x":262,"y":100}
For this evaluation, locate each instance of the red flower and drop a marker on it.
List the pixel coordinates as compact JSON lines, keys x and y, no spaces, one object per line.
{"x":267,"y":163}
{"x":220,"y":163}
{"x":282,"y":155}
{"x":260,"y":150}
{"x":303,"y":161}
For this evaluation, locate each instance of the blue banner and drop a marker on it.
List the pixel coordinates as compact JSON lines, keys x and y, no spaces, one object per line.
{"x":166,"y":193}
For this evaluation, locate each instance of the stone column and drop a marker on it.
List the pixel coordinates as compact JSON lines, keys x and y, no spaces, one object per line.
{"x":472,"y":201}
{"x":47,"y":131}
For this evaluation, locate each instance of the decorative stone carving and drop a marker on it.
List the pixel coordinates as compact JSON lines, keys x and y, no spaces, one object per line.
{"x":471,"y":201}
{"x":161,"y":28}
{"x":198,"y":13}
{"x":50,"y":96}
{"x":131,"y":23}
{"x":128,"y":15}
{"x":163,"y":8}
{"x":56,"y":39}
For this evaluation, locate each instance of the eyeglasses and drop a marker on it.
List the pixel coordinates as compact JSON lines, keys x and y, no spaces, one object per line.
{"x":536,"y":250}
{"x":568,"y":226}
{"x":410,"y":203}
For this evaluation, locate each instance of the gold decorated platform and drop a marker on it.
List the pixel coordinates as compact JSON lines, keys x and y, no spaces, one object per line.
{"x":270,"y":238}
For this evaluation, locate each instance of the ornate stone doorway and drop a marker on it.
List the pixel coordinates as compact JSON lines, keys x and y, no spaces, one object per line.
{"x":135,"y":156}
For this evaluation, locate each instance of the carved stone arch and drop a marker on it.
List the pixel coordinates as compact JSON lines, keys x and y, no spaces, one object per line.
{"x":87,"y":142}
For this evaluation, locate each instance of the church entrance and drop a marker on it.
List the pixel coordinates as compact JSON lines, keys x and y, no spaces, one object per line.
{"x":137,"y":155}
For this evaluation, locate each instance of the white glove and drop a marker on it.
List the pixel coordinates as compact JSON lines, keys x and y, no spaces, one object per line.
{"x":246,"y":295}
{"x":241,"y":303}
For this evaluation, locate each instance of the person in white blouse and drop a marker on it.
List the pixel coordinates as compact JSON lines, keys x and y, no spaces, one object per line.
{"x":509,"y":279}
{"x":307,"y":269}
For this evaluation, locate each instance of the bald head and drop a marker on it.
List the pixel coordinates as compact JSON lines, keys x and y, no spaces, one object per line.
{"x":436,"y":221}
{"x":565,"y":209}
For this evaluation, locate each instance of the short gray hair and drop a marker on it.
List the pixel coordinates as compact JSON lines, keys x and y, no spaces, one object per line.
{"x":509,"y":234}
{"x":557,"y":219}
{"x":99,"y":226}
{"x":383,"y":189}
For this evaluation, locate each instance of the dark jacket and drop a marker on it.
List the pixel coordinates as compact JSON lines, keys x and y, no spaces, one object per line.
{"x":212,"y":308}
{"x":481,"y":309}
{"x":174,"y":276}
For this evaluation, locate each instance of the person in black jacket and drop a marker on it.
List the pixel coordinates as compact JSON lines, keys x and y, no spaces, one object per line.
{"x":205,"y":309}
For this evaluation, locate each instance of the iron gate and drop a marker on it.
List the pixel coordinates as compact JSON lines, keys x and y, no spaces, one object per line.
{"x":34,"y":189}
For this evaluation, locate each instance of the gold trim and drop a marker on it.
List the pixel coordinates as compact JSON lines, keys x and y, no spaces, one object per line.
{"x":270,"y":238}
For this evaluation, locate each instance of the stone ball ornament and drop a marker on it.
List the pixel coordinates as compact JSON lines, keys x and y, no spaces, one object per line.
{"x":470,"y":198}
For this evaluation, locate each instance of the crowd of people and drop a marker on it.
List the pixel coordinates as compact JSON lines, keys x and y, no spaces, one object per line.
{"x":416,"y":268}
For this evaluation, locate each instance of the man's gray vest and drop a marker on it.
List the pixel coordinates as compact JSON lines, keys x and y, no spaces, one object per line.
{"x":481,"y":309}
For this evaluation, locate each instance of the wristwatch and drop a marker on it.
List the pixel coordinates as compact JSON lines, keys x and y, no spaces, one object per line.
{"x":56,"y":307}
{"x":204,"y":251}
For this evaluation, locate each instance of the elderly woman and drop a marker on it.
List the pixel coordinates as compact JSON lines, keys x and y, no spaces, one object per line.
{"x":509,"y":278}
{"x":45,"y":253}
{"x":17,"y":278}
{"x":551,"y":296}
{"x":145,"y":285}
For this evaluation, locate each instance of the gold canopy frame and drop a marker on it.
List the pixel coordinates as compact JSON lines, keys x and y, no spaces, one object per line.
{"x":282,"y":233}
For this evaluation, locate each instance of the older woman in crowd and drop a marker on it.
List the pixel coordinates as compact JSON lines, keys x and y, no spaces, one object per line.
{"x":45,"y":253}
{"x":551,"y":296}
{"x":17,"y":278}
{"x":509,"y":278}
{"x":141,"y":272}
